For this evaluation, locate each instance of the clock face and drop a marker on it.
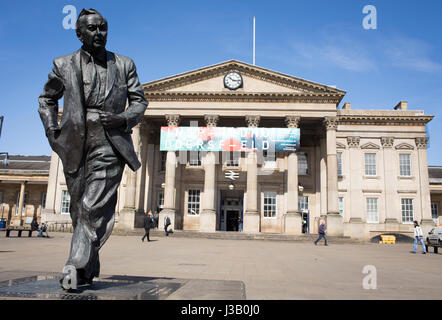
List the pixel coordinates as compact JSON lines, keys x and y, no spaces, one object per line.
{"x":233,"y":80}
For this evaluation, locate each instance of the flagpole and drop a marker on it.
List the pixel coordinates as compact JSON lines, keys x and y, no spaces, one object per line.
{"x":253,"y":40}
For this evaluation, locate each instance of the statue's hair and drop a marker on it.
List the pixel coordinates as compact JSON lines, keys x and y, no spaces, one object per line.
{"x":86,"y":12}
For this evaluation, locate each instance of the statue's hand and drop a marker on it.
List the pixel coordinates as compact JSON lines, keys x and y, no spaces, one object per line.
{"x":111,"y":120}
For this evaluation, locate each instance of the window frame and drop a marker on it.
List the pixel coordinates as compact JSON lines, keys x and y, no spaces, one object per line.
{"x":191,"y":161}
{"x":368,"y":212}
{"x":339,"y":160}
{"x":189,"y":203}
{"x":369,"y":166}
{"x":64,"y":200}
{"x":341,"y":206}
{"x":300,"y":162}
{"x":409,"y":164}
{"x":402,"y":210}
{"x":270,"y":207}
{"x":436,"y":204}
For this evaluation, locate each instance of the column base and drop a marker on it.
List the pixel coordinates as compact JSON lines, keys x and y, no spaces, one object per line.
{"x":334,"y":224}
{"x":208,"y":220}
{"x":251,"y":222}
{"x":169,"y":213}
{"x":126,"y":219}
{"x":356,"y":228}
{"x":293,"y":223}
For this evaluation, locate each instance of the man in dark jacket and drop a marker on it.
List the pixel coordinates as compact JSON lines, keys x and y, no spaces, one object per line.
{"x":166,"y":225}
{"x":93,"y":138}
{"x":34,"y":227}
{"x":322,"y":231}
{"x":147,"y":222}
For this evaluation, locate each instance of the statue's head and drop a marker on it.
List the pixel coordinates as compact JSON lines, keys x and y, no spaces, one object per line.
{"x":92,"y":29}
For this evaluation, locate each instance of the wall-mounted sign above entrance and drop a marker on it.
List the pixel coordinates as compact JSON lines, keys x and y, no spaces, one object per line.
{"x":229,"y":139}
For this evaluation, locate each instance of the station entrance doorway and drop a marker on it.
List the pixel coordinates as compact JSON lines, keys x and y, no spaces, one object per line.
{"x":231,"y":210}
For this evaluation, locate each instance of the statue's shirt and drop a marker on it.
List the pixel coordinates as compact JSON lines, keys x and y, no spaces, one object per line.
{"x":94,"y":78}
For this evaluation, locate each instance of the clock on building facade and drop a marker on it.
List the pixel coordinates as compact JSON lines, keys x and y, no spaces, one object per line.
{"x":233,"y":80}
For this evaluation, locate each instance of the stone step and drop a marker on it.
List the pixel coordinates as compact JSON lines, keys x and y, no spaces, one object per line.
{"x":226,"y":235}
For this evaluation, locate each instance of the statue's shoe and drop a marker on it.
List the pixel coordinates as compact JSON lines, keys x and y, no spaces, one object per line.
{"x":68,"y":280}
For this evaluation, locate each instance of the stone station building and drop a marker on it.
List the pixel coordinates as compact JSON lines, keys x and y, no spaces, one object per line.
{"x":364,"y":171}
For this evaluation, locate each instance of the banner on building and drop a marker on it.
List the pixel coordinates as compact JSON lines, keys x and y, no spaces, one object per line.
{"x":229,"y":139}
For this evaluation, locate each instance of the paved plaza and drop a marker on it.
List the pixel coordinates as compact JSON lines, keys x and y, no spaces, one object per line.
{"x":268,"y":269}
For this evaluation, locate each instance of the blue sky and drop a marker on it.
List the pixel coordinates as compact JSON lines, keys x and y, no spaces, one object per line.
{"x":322,"y":41}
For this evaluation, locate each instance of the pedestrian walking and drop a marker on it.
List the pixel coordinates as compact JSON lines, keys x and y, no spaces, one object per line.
{"x":166,"y":224}
{"x":418,"y":237}
{"x":322,"y":231}
{"x":147,"y":223}
{"x":44,"y":228}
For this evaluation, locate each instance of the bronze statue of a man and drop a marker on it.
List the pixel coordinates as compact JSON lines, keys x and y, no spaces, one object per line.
{"x":93,"y":138}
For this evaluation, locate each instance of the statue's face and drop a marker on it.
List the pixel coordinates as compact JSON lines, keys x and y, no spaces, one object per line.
{"x":93,"y":31}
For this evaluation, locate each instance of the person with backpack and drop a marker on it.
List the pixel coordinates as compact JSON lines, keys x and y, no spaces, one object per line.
{"x":322,"y":231}
{"x":418,"y":237}
{"x":147,"y":223}
{"x":166,"y":224}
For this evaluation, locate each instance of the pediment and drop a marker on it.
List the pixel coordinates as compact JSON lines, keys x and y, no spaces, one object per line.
{"x":340,"y":145}
{"x":404,"y":146}
{"x":370,"y":145}
{"x":209,"y":82}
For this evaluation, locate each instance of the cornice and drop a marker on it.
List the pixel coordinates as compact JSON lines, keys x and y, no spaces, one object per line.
{"x":384,"y":120}
{"x":241,"y":96}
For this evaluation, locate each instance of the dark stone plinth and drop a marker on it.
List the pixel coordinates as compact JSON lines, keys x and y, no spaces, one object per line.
{"x":122,"y":288}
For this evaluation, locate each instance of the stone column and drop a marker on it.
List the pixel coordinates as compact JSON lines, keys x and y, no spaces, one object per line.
{"x":424,"y":181}
{"x":52,"y":188}
{"x":355,"y":189}
{"x":208,"y":213}
{"x":21,"y":202}
{"x":334,"y":220}
{"x":323,"y":177}
{"x":127,"y":216}
{"x":169,"y":188}
{"x":292,"y":219}
{"x":252,"y":219}
{"x":149,"y":176}
{"x":391,"y":206}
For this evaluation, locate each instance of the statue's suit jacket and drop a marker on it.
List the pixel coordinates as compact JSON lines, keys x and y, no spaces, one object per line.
{"x":66,"y":79}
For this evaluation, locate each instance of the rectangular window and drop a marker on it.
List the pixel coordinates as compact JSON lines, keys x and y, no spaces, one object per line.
{"x":405,"y":165}
{"x":341,"y":206}
{"x":269,"y":204}
{"x":65,"y":202}
{"x":195,"y":159}
{"x":302,"y":203}
{"x":193,"y":202}
{"x":43,"y":200}
{"x":372,"y":210}
{"x":23,"y":210}
{"x":435,"y":211}
{"x":232,"y":158}
{"x":370,"y":164}
{"x":161,"y":200}
{"x":163,"y":158}
{"x":407,"y":210}
{"x":302,"y":163}
{"x":339,"y":157}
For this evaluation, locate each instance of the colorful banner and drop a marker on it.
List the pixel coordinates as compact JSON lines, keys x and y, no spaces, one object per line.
{"x":229,"y":139}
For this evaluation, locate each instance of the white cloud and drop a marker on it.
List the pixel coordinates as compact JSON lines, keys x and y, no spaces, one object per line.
{"x":411,"y":54}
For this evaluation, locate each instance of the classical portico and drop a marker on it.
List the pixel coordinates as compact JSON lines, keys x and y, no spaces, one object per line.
{"x":364,"y":172}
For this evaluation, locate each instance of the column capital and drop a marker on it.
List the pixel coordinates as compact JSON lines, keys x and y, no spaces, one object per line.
{"x":253,"y":121}
{"x":421,"y":142}
{"x":292,"y":121}
{"x":387,"y":142}
{"x":173,"y":120}
{"x":353,"y":142}
{"x":331,"y":123}
{"x":211,"y":120}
